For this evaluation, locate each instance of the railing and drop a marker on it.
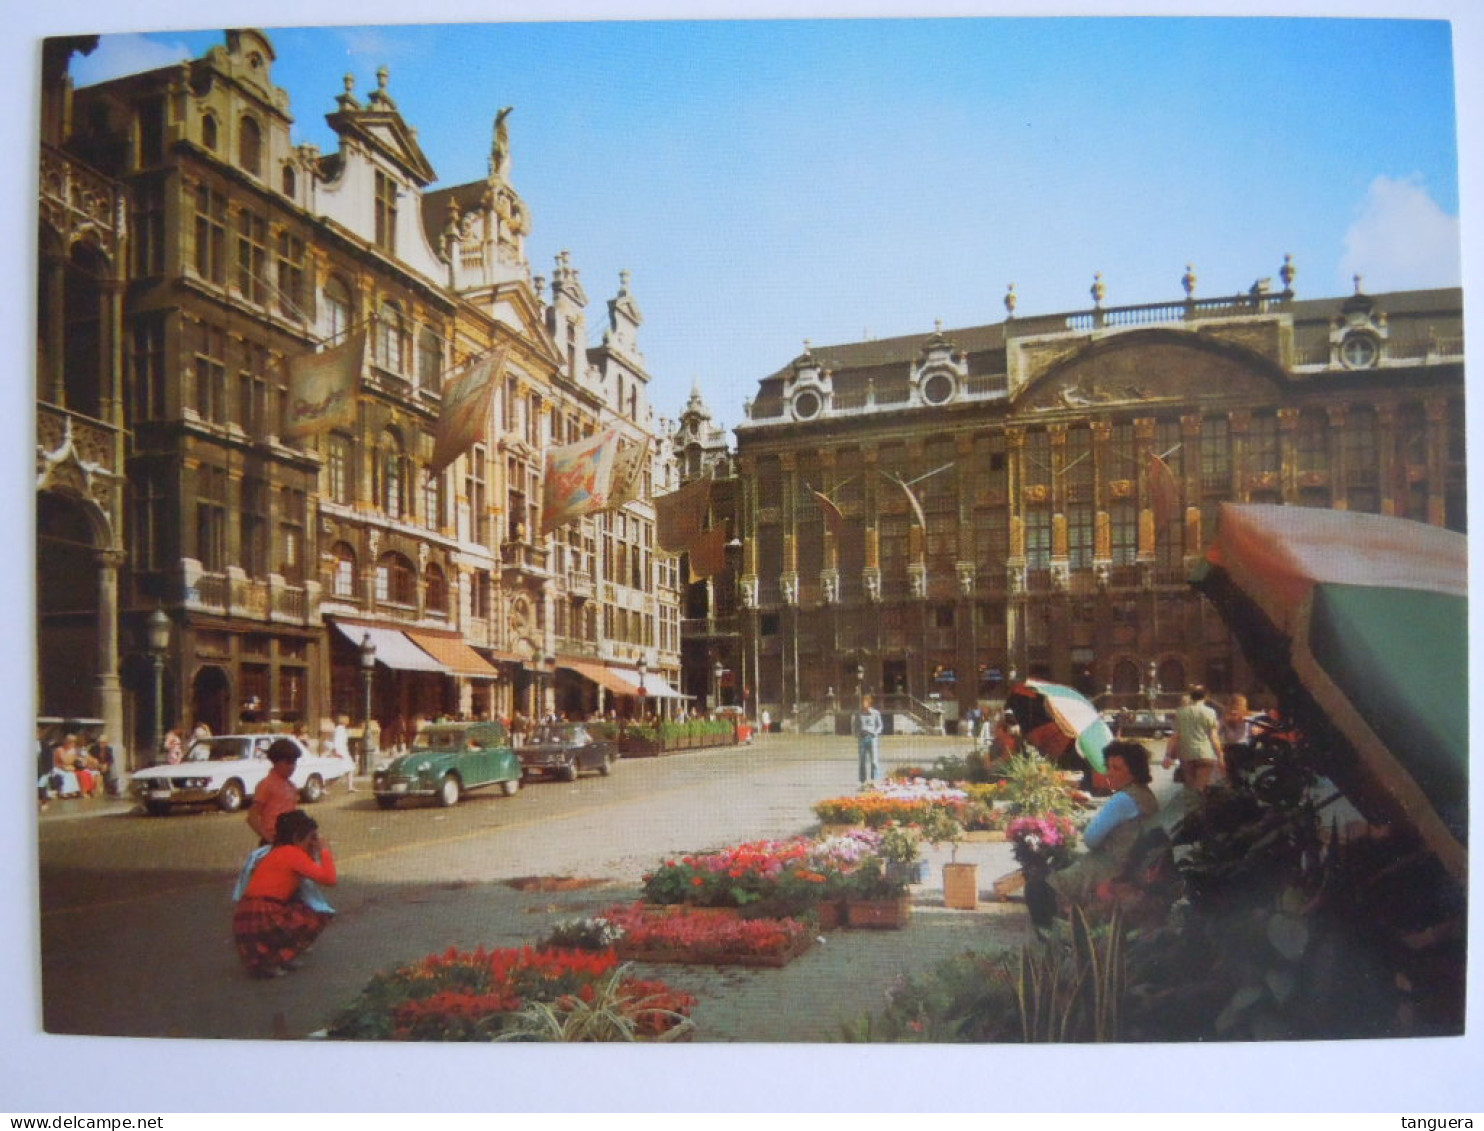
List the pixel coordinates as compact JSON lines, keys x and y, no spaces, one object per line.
{"x":92,"y":440}
{"x":522,"y":555}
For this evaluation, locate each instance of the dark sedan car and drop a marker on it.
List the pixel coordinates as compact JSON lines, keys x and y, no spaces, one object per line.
{"x":564,"y":750}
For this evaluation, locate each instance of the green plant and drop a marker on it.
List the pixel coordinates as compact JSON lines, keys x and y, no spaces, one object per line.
{"x":901,"y":844}
{"x":966,"y":998}
{"x":939,"y":826}
{"x":871,"y":881}
{"x":618,"y":1009}
{"x":1072,"y":990}
{"x":1034,"y":788}
{"x":583,"y":934}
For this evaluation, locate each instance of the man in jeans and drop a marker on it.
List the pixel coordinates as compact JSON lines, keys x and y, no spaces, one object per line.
{"x":866,"y":725}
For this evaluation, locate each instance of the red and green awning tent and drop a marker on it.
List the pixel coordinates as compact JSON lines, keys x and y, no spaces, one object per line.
{"x":1368,"y":616}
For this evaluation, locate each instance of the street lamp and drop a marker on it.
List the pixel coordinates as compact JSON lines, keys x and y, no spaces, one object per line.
{"x":1153,"y":672}
{"x":157,"y":642}
{"x":643,"y":666}
{"x":549,"y":697}
{"x":860,"y":682}
{"x":368,"y":670}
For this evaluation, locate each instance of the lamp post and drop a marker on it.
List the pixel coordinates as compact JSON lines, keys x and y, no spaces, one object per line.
{"x":860,"y":682}
{"x":548,"y":697}
{"x":643,"y":691}
{"x":1153,"y":673}
{"x":368,"y":670}
{"x":717,"y":671}
{"x":157,"y":642}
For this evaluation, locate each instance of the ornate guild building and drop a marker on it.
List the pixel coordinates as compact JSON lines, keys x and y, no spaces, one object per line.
{"x":191,"y":254}
{"x":931,"y":517}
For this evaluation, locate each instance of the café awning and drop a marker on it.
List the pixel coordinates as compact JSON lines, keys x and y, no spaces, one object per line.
{"x":656,"y":686}
{"x":604,"y":676}
{"x":453,"y":651}
{"x":393,"y":648}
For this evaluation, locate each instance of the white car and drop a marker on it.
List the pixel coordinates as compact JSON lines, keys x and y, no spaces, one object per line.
{"x":225,"y":769}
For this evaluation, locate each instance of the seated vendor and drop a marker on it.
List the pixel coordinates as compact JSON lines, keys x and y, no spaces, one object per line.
{"x":1116,"y":829}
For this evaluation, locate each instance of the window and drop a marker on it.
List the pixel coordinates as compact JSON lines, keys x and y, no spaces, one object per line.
{"x":211,"y":235}
{"x":396,"y":580}
{"x":1123,"y":518}
{"x":1362,"y":467}
{"x":291,"y":534}
{"x":391,"y":475}
{"x":291,"y":293}
{"x":481,"y":597}
{"x":391,"y":339}
{"x":252,"y":389}
{"x":151,"y":132}
{"x":435,"y":590}
{"x":386,"y":212}
{"x":1263,"y":451}
{"x":341,"y":469}
{"x":211,"y":374}
{"x":211,"y":518}
{"x":153,"y":511}
{"x":252,"y":256}
{"x":433,"y":507}
{"x":1313,"y":441}
{"x":344,"y":582}
{"x":1038,"y":538}
{"x":474,"y":491}
{"x":253,"y":527}
{"x":429,"y":361}
{"x":148,"y":236}
{"x":1216,"y":456}
{"x":250,"y":146}
{"x":148,"y":387}
{"x":1080,"y":535}
{"x":338,"y":310}
{"x":1038,"y":459}
{"x":208,"y":131}
{"x":1077,"y":471}
{"x":290,"y":181}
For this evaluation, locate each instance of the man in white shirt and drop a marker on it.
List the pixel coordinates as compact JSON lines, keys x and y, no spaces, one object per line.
{"x":866,"y":725}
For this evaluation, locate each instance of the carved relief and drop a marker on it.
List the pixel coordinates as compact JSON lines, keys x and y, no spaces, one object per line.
{"x":965,"y":579}
{"x":871,"y":578}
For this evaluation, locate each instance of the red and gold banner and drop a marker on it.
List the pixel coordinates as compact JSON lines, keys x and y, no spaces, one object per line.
{"x":1164,"y":490}
{"x":681,"y":516}
{"x":628,"y":473}
{"x":466,"y":409}
{"x":322,"y":388}
{"x":578,"y":478}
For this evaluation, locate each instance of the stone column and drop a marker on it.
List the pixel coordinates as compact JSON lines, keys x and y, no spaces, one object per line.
{"x":108,"y":692}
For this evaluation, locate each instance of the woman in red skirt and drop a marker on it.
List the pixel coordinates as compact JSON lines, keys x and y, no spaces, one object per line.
{"x":279,"y":916}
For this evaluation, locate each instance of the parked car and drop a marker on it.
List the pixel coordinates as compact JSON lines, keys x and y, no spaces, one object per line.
{"x":1144,"y":724}
{"x":225,"y":769}
{"x":446,"y":761}
{"x":564,"y":750}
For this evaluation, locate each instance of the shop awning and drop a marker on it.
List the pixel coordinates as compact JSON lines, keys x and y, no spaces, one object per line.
{"x":393,"y":648}
{"x":602,"y":675}
{"x":657,"y":686}
{"x":453,"y":651}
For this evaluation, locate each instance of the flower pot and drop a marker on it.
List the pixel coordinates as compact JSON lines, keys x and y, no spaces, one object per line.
{"x":961,"y":886}
{"x":878,"y":914}
{"x":831,"y":915}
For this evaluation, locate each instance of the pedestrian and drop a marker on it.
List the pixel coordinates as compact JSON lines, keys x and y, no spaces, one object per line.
{"x":340,"y":744}
{"x":174,"y":746}
{"x":103,"y":757}
{"x":1235,"y":732}
{"x":280,"y":911}
{"x":866,"y":725}
{"x":276,"y":794}
{"x":766,"y":718}
{"x":1196,"y":743}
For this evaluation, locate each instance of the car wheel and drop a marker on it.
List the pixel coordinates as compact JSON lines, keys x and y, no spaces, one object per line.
{"x":448,"y":791}
{"x":157,"y":808}
{"x":229,"y":800}
{"x":386,"y":802}
{"x":569,"y":769}
{"x":313,"y":790}
{"x":605,"y":767}
{"x":511,"y":787}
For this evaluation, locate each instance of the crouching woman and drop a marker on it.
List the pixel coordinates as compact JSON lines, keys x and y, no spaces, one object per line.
{"x":1111,"y":835}
{"x":280,"y":910}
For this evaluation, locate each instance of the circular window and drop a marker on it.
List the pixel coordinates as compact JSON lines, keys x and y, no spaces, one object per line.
{"x":938,"y":389}
{"x":807,"y":405}
{"x":1359,"y":351}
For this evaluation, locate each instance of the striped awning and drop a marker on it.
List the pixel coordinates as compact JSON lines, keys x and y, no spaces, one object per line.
{"x":453,"y":651}
{"x":393,"y":648}
{"x":603,"y":676}
{"x":656,"y":686}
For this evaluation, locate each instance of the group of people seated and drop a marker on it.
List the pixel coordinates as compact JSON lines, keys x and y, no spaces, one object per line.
{"x":72,"y":768}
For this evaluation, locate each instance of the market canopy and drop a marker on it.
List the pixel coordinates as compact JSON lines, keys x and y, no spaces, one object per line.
{"x":656,"y":686}
{"x":1369,"y":616}
{"x":453,"y":651}
{"x":393,"y":648}
{"x":600,"y":674}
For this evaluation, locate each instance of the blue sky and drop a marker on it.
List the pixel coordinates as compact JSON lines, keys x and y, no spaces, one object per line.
{"x":775,"y":181}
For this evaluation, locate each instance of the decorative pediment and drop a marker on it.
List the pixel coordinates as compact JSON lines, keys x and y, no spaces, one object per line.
{"x":1150,"y":368}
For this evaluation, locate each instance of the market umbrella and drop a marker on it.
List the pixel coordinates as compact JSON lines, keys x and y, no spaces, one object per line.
{"x":1368,"y":616}
{"x":1054,"y":716}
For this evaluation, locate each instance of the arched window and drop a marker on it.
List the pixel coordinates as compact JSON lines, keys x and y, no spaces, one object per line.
{"x":339,"y":309}
{"x":391,"y":474}
{"x":250,"y":145}
{"x":208,"y":131}
{"x":290,"y":181}
{"x":83,"y":306}
{"x":435,"y":590}
{"x":343,"y":583}
{"x":396,"y":580}
{"x":429,"y":359}
{"x":391,"y":339}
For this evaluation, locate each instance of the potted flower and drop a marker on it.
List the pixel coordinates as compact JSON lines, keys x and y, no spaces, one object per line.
{"x":960,"y":881}
{"x":1042,"y":844}
{"x":901,"y":849}
{"x":875,"y":901}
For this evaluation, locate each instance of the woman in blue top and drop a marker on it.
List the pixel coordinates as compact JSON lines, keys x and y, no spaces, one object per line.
{"x":1111,"y":835}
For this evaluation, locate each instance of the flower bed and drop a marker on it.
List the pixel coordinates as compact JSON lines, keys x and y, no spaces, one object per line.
{"x":694,"y":937}
{"x":514,"y":994}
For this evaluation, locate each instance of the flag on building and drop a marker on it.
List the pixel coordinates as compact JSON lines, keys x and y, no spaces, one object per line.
{"x":322,"y":388}
{"x":578,"y":478}
{"x":911,"y":500}
{"x":628,"y":473}
{"x":708,"y":553}
{"x":466,"y":408}
{"x":834,"y":520}
{"x":680,"y":516}
{"x":1164,"y":490}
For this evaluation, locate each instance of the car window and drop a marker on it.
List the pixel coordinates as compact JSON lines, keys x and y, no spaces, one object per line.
{"x":216,"y":750}
{"x":441,"y":739}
